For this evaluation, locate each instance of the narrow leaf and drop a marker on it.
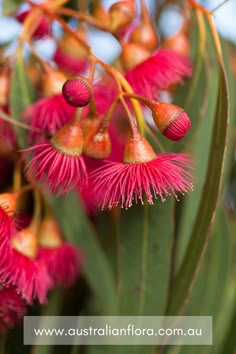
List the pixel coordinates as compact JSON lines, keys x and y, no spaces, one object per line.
{"x":143,"y":274}
{"x":21,"y":96}
{"x":205,"y":216}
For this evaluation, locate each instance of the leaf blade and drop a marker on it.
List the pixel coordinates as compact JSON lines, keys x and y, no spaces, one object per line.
{"x":200,"y":235}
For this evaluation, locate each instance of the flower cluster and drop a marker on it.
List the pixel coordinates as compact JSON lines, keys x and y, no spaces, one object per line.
{"x":88,"y":130}
{"x":33,"y":260}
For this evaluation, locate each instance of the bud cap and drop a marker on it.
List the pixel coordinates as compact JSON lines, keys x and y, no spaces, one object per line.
{"x":171,"y":120}
{"x":77,"y":92}
{"x":121,"y":14}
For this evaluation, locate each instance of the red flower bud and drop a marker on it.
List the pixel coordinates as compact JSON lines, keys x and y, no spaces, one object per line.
{"x":171,"y":120}
{"x":179,"y":44}
{"x":53,"y":81}
{"x":72,"y":47}
{"x":49,"y":233}
{"x":145,"y":35}
{"x":133,"y":54}
{"x":77,"y":91}
{"x":100,"y":13}
{"x":121,"y":14}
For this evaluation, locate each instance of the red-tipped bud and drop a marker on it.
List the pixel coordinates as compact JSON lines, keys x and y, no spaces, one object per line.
{"x":90,"y":123}
{"x":4,"y":88}
{"x":146,"y":36}
{"x":8,"y":201}
{"x":77,"y":91}
{"x":98,"y":145}
{"x":121,"y":14}
{"x":53,"y":81}
{"x":49,"y":233}
{"x":69,"y":139}
{"x":171,"y":120}
{"x":179,"y":44}
{"x":133,"y":54}
{"x":25,"y":242}
{"x":138,"y":150}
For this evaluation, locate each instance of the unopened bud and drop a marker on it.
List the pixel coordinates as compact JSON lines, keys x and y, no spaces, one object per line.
{"x":179,"y":44}
{"x":171,"y":120}
{"x":49,"y":234}
{"x":53,"y":81}
{"x":146,"y":36}
{"x":72,"y":47}
{"x":121,"y":14}
{"x":77,"y":91}
{"x":100,"y":13}
{"x":133,"y":54}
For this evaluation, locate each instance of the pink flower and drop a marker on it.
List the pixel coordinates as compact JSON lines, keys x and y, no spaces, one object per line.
{"x":12,"y":308}
{"x":63,"y":263}
{"x":68,"y":63}
{"x":158,"y":72}
{"x":20,"y":269}
{"x":124,"y":183}
{"x":44,"y":27}
{"x":7,"y":228}
{"x":55,"y":169}
{"x":105,"y":92}
{"x":48,"y":115}
{"x":29,"y":276}
{"x":58,"y":163}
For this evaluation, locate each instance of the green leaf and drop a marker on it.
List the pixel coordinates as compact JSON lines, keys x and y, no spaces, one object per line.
{"x":77,"y":229}
{"x":206,"y":211}
{"x":188,"y":208}
{"x":144,"y":258}
{"x":210,"y":287}
{"x":143,"y":264}
{"x":52,"y":308}
{"x":21,"y":96}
